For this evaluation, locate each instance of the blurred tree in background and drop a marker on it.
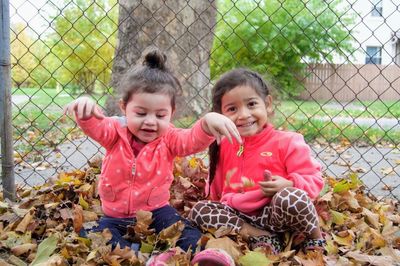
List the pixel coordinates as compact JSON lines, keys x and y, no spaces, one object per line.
{"x":83,"y":44}
{"x":279,"y":37}
{"x":22,"y":60}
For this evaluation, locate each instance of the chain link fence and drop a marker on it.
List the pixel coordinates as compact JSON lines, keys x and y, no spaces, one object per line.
{"x":334,"y":66}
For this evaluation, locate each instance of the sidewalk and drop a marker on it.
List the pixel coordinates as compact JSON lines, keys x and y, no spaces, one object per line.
{"x":377,"y":167}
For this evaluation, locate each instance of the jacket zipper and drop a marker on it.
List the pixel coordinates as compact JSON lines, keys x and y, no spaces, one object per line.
{"x":240,"y":154}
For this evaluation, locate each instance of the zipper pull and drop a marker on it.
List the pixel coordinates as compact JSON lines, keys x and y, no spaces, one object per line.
{"x":134,"y":168}
{"x":240,"y":151}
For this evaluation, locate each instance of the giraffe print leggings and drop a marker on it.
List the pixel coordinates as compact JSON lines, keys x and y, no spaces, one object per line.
{"x":290,"y":210}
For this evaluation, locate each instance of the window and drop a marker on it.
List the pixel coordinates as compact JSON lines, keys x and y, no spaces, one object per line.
{"x":376,"y":8}
{"x":374,"y":55}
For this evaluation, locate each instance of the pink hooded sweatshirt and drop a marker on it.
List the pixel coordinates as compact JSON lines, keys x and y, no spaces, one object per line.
{"x":283,"y":153}
{"x":129,"y":183}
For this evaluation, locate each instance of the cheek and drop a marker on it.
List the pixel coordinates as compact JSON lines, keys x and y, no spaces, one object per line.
{"x":164,"y":124}
{"x":133,"y":124}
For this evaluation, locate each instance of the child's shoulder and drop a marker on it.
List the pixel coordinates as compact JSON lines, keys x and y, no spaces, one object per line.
{"x":118,"y":120}
{"x":288,"y":136}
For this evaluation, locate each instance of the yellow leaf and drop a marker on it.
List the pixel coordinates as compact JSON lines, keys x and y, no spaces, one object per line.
{"x":338,"y":218}
{"x":83,"y":202}
{"x":331,"y":247}
{"x":254,"y":258}
{"x":193,"y":162}
{"x":344,"y":241}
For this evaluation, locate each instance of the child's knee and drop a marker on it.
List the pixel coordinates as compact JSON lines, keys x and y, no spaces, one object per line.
{"x":189,"y":238}
{"x":196,"y":211}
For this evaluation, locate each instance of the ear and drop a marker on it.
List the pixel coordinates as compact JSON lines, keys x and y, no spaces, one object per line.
{"x":268,"y":104}
{"x":122,"y":106}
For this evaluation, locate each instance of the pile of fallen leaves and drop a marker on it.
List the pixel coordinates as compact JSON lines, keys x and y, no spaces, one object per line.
{"x":43,"y":227}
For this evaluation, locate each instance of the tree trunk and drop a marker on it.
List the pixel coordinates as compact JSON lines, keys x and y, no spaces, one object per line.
{"x":183,"y":30}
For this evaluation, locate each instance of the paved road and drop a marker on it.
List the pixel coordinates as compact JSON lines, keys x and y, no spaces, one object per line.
{"x":378,"y":167}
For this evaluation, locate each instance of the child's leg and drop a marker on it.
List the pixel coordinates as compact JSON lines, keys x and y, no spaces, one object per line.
{"x":166,"y":216}
{"x":118,"y":228}
{"x":214,"y":215}
{"x":291,"y":209}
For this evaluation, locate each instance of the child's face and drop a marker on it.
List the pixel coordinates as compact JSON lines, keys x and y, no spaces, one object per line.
{"x":148,"y":115}
{"x":246,"y":109}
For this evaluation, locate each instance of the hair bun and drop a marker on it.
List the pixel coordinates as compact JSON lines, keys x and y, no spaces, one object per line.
{"x":154,"y":58}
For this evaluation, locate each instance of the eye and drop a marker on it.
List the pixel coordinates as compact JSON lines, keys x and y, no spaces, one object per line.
{"x":231,"y":109}
{"x":140,"y":113}
{"x":161,"y":116}
{"x":252,"y":103}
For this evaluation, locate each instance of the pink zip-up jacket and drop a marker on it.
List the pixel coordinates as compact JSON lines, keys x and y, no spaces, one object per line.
{"x":129,"y":183}
{"x":283,"y":153}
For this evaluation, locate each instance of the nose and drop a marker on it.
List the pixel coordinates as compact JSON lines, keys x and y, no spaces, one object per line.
{"x":243,"y":113}
{"x":150,"y":120}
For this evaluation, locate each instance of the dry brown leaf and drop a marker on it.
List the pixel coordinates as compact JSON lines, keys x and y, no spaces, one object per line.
{"x":22,"y":249}
{"x":372,"y":218}
{"x":172,"y":233}
{"x":78,"y":218}
{"x":372,"y":260}
{"x":312,"y":258}
{"x":21,"y":228}
{"x":227,"y":244}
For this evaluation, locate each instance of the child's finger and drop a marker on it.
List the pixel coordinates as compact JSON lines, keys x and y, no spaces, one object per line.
{"x":234,"y":132}
{"x":216,"y":134}
{"x":98,"y":113}
{"x":267,"y":175}
{"x":80,"y":108}
{"x":89,"y":110}
{"x":265,"y":184}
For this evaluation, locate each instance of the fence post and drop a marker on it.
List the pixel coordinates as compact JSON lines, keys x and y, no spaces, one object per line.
{"x":7,"y":161}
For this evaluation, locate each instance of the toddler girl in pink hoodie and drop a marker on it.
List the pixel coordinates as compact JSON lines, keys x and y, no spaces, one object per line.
{"x":140,"y":148}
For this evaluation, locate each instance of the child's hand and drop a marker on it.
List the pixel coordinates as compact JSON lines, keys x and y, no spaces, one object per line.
{"x":84,"y":108}
{"x":219,"y":126}
{"x":273,"y":184}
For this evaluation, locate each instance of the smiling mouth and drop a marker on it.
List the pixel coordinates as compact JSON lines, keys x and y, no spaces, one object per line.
{"x":149,"y":130}
{"x":247,"y":124}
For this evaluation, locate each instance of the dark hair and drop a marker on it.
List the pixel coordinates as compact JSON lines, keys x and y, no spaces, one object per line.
{"x":151,"y":76}
{"x":227,"y":82}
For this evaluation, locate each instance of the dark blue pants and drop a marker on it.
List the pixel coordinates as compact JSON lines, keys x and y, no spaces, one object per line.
{"x":162,"y":218}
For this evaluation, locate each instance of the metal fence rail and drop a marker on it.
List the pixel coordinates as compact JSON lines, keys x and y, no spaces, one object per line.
{"x":334,"y":66}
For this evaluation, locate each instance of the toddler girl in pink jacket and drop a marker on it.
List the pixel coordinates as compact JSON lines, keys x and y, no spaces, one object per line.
{"x":267,"y":182}
{"x":140,"y":148}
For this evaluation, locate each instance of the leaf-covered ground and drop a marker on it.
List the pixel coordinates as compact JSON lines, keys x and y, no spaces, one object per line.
{"x":41,"y":228}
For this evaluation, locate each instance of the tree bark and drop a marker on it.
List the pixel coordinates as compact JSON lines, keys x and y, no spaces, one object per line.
{"x":183,"y":29}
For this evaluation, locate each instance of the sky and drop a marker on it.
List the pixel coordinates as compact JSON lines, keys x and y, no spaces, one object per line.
{"x":35,"y":13}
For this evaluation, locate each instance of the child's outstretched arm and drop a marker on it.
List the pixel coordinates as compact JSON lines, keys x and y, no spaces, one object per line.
{"x":183,"y":142}
{"x":92,"y":121}
{"x":220,"y":126}
{"x":83,"y":108}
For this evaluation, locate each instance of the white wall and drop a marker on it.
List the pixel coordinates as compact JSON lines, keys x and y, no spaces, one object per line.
{"x":375,"y":31}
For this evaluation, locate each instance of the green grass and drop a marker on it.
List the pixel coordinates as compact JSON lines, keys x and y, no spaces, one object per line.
{"x":366,"y":109}
{"x":42,"y":115}
{"x":39,"y":123}
{"x":313,"y":129}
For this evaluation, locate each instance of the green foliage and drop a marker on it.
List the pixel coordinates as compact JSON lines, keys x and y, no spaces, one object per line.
{"x":83,"y":43}
{"x":279,"y":37}
{"x":22,"y":60}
